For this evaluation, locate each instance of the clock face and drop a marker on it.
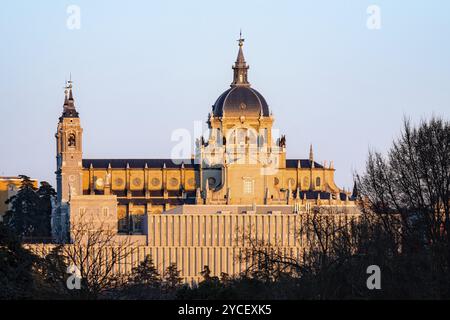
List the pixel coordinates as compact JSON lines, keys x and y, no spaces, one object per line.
{"x":72,"y":178}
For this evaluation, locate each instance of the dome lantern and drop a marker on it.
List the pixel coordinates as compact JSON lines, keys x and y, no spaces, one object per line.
{"x":240,"y":67}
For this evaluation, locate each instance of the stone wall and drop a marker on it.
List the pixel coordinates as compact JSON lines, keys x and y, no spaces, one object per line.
{"x":193,"y":240}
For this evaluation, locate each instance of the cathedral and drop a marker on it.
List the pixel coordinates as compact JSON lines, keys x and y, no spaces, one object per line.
{"x":239,"y":171}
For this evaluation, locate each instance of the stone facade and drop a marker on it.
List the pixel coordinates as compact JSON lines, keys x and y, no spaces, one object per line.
{"x":194,"y":236}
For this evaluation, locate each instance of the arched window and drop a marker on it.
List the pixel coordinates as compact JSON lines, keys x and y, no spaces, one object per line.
{"x":232,"y":137}
{"x":252,"y":137}
{"x":306,"y":183}
{"x":218,"y":136}
{"x":71,"y":142}
{"x":241,"y":136}
{"x":122,"y":218}
{"x":318,"y":181}
{"x":137,"y":220}
{"x":260,"y":140}
{"x":211,"y":182}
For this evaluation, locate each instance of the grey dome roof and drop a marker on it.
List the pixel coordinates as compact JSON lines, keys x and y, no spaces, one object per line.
{"x":241,"y":101}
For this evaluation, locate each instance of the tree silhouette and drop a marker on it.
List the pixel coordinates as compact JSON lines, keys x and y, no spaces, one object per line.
{"x":46,"y":195}
{"x":17,"y":278}
{"x":146,"y":273}
{"x":171,"y":278}
{"x":24,"y":212}
{"x":31,"y":209}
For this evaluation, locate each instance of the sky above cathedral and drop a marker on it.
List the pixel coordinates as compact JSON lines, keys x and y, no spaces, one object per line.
{"x":340,"y":75}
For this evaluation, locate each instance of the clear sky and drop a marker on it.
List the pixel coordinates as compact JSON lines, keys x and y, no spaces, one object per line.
{"x":143,"y":69}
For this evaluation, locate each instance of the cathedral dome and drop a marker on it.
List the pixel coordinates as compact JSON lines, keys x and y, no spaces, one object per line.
{"x":241,"y":101}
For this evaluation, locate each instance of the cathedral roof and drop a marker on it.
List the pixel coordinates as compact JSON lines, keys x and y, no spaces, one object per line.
{"x":171,"y":164}
{"x":138,"y":163}
{"x":241,"y":99}
{"x":323,"y":195}
{"x":304,"y":163}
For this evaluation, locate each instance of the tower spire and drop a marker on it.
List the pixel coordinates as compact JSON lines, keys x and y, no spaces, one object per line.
{"x":66,"y":96}
{"x":70,"y":89}
{"x":69,"y":110}
{"x":240,"y":67}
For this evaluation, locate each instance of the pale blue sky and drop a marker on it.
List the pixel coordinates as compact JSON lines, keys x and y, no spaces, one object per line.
{"x":145,"y":68}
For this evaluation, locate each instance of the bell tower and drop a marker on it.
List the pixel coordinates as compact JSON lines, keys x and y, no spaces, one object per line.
{"x":68,"y":150}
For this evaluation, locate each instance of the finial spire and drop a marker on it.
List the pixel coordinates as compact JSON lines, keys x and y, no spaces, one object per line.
{"x":311,"y":155}
{"x":66,"y":95}
{"x":355,"y":190}
{"x":241,"y":40}
{"x":69,"y":86}
{"x":240,"y":67}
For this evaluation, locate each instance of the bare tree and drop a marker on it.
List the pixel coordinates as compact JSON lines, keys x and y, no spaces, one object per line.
{"x":325,"y":240}
{"x":97,"y":252}
{"x":413,"y":182}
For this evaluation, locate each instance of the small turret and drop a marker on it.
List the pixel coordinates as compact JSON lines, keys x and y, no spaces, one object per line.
{"x":311,"y":155}
{"x":355,"y":191}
